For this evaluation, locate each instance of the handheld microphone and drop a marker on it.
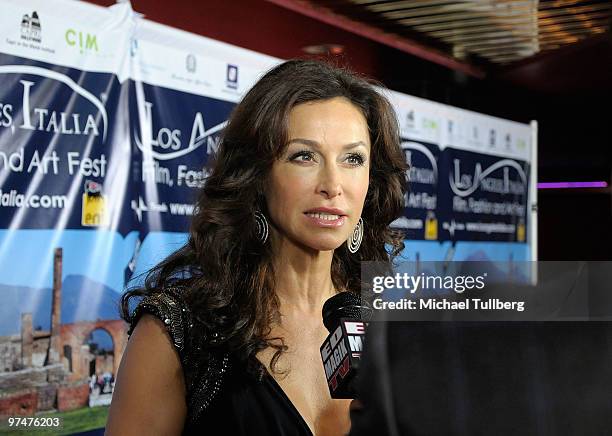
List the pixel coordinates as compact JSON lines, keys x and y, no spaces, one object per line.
{"x":343,"y":316}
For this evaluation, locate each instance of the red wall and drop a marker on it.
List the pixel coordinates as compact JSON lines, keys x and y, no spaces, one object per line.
{"x":260,"y":26}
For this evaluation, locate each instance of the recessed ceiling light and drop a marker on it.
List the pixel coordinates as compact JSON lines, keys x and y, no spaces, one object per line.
{"x":324,"y":49}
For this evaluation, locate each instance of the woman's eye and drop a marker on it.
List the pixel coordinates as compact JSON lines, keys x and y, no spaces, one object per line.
{"x":356,"y":159}
{"x":303,"y":156}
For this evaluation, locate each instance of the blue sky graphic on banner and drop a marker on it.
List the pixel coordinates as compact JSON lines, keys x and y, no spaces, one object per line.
{"x":106,"y":127}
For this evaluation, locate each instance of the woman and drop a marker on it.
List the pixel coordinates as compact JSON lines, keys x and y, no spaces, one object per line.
{"x":227,"y":337}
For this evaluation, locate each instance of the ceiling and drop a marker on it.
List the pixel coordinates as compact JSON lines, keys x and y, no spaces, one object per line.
{"x":553,"y":47}
{"x":478,"y":36}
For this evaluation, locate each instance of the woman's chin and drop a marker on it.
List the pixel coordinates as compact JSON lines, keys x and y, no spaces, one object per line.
{"x":324,"y":245}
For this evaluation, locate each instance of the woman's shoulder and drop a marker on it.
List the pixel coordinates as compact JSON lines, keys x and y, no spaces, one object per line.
{"x":150,"y":389}
{"x":204,"y":365}
{"x":167,"y":304}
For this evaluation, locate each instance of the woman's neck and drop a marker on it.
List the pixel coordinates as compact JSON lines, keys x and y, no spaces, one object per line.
{"x":303,"y":279}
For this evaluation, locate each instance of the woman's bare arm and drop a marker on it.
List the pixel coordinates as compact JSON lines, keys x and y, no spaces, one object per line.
{"x":149,"y":396}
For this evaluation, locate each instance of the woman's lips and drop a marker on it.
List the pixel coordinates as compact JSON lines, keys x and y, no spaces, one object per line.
{"x":325,"y":220}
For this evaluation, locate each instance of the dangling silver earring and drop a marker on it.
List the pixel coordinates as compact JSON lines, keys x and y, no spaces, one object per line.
{"x":354,"y":242}
{"x":262,"y":227}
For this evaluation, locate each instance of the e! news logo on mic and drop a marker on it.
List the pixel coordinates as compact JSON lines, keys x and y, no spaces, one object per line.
{"x":340,"y":352}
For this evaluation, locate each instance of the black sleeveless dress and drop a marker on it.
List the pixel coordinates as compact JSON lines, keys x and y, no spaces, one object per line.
{"x":223,"y":398}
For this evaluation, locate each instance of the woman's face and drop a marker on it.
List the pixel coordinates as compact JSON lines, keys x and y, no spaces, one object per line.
{"x":317,"y":188}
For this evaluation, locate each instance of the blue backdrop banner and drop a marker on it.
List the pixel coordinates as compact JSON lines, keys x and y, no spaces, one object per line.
{"x":106,"y":124}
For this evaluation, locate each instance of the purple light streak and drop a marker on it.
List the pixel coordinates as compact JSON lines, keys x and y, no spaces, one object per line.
{"x":566,"y":185}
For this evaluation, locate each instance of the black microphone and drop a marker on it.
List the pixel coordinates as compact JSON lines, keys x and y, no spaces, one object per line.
{"x":344,"y":315}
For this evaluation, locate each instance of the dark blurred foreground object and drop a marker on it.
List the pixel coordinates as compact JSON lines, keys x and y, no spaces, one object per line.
{"x":494,"y":378}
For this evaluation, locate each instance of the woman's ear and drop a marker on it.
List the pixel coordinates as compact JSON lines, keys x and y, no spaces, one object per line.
{"x":262,"y":190}
{"x":261,"y":203}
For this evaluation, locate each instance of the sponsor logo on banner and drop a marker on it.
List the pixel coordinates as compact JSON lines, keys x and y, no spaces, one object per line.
{"x":410,"y":119}
{"x":411,"y":129}
{"x":231,"y":76}
{"x":474,"y":139}
{"x":431,"y":127}
{"x":86,"y":42}
{"x":431,"y":226}
{"x":177,"y":72}
{"x":45,"y":119}
{"x":166,"y":143}
{"x":191,"y":63}
{"x":30,"y":28}
{"x":454,"y":134}
{"x":94,"y":210}
{"x":420,"y":126}
{"x":492,"y":138}
{"x":488,"y":198}
{"x":465,"y":184}
{"x":30,"y":34}
{"x":520,"y":231}
{"x":508,"y":141}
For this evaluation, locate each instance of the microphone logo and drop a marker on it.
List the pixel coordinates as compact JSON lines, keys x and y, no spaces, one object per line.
{"x":341,"y":351}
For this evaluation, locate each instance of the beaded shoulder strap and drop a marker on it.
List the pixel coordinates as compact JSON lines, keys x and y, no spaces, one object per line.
{"x":170,"y":310}
{"x":203,"y":376}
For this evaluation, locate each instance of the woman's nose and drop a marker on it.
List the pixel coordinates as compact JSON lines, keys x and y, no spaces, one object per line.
{"x":330,"y":184}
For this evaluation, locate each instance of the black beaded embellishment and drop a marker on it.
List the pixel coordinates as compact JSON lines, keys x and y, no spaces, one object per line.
{"x":167,"y":308}
{"x":208,"y":386}
{"x":204,"y":374}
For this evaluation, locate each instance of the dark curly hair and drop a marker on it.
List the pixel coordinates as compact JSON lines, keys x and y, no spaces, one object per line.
{"x":226,"y":273}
